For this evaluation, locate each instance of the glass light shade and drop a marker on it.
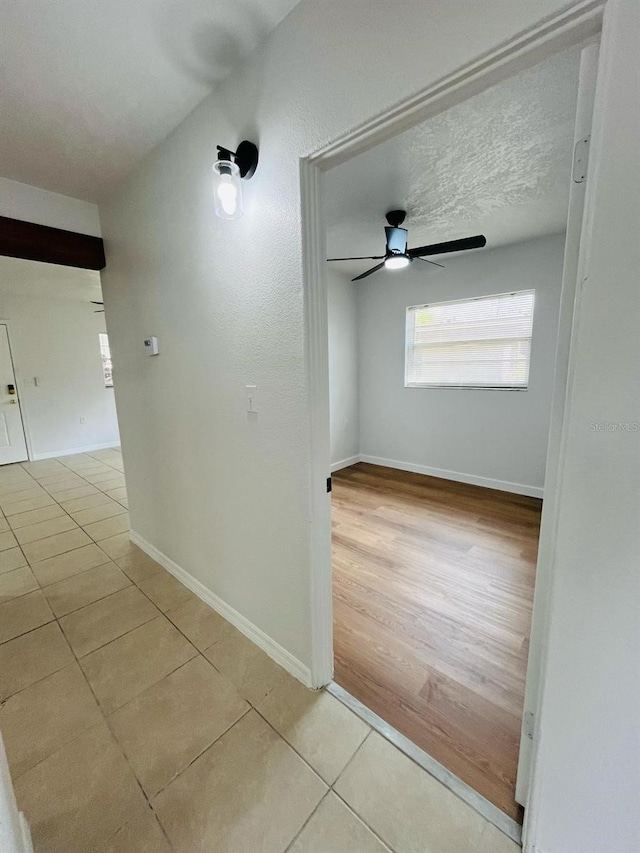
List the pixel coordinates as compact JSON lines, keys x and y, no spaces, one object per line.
{"x":396,"y":262}
{"x":227,"y":190}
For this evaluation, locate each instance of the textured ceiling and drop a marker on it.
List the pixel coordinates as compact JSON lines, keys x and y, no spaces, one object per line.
{"x":47,"y":281}
{"x":498,"y":163}
{"x":89,"y":86}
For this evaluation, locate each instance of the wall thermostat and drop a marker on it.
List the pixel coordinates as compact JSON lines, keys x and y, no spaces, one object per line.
{"x":151,"y":345}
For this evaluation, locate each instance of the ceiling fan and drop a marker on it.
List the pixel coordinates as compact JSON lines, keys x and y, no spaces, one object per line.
{"x":99,"y":311}
{"x":398,"y":256}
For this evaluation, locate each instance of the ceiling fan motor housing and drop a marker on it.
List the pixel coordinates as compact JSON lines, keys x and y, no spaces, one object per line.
{"x":396,"y":240}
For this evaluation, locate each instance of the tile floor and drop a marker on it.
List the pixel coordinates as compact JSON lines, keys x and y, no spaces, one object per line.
{"x":137,"y":720}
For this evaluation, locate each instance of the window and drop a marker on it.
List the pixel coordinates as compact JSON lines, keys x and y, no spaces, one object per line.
{"x":105,"y":354}
{"x":470,"y":343}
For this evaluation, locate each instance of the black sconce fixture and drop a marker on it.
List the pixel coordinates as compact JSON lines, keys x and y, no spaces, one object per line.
{"x":230,"y":169}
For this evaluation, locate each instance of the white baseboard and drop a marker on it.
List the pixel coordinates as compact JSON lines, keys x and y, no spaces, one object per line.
{"x":472,"y":479}
{"x":275,"y":651}
{"x":70,"y":451}
{"x":344,"y":463}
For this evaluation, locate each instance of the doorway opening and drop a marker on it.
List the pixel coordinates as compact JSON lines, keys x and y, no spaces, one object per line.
{"x":62,"y":474}
{"x":442,"y":386}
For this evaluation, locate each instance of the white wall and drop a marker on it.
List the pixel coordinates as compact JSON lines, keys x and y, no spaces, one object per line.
{"x":57,"y":341}
{"x":586,"y":786}
{"x":342,"y":319}
{"x":227,"y":496}
{"x":494,"y":438}
{"x":31,"y":204}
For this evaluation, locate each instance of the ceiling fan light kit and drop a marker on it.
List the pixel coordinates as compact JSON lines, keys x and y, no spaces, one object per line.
{"x":397,"y":256}
{"x":228,"y":172}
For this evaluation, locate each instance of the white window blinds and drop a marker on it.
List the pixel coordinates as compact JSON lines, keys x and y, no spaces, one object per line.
{"x":470,"y":343}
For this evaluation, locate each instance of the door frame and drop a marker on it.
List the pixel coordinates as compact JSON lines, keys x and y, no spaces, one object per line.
{"x":566,"y":29}
{"x":19,"y":386}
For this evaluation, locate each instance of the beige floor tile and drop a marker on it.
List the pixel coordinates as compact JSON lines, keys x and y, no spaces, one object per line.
{"x":16,"y":495}
{"x":16,"y":583}
{"x":102,"y":473}
{"x":34,"y":516}
{"x":117,"y":494}
{"x":249,"y":668}
{"x":58,"y":482}
{"x":4,"y":524}
{"x":404,"y":805}
{"x":76,"y":492}
{"x":103,"y":621}
{"x":165,"y":728}
{"x":85,"y":502}
{"x":108,"y":527}
{"x":43,"y":529}
{"x":60,"y":543}
{"x":11,"y":559}
{"x":137,"y":565}
{"x":124,"y":668}
{"x":197,"y":621}
{"x":13,"y":473}
{"x":125,"y":502}
{"x":494,"y":841}
{"x":7,"y":540}
{"x":28,"y":504}
{"x":74,"y":458}
{"x":249,"y":791}
{"x":23,"y":614}
{"x":318,"y":726}
{"x":16,"y":484}
{"x":165,"y":591}
{"x":79,"y":795}
{"x":63,"y":487}
{"x":85,"y":588}
{"x":63,"y":566}
{"x":98,"y":513}
{"x":42,"y":467}
{"x":31,"y":657}
{"x":45,"y":716}
{"x":117,"y":546}
{"x":113,"y":483}
{"x":334,"y":828}
{"x":141,"y":835}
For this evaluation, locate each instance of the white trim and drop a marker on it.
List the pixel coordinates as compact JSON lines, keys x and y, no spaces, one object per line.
{"x":457,"y":476}
{"x":70,"y":451}
{"x":275,"y":651}
{"x":456,"y":785}
{"x":317,"y":363}
{"x":345,"y":463}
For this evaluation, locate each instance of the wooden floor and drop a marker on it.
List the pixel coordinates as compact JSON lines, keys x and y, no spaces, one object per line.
{"x":433,"y":587}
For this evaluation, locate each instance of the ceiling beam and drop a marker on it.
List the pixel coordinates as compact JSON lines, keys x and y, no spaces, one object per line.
{"x":33,"y":242}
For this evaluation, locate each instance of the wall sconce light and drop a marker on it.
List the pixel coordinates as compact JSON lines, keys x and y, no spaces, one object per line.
{"x":231,"y":167}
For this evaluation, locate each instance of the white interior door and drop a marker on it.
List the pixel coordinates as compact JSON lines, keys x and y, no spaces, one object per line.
{"x":584,"y":114}
{"x":13,"y":445}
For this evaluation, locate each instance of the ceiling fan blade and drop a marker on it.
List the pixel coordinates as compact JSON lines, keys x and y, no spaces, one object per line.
{"x":476,"y":242}
{"x":367,"y":258}
{"x":368,"y":272}
{"x":433,"y":263}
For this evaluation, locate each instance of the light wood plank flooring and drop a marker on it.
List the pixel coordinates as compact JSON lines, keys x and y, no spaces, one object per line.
{"x":433,"y":588}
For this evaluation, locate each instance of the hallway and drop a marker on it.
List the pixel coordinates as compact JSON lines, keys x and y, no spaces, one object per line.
{"x":137,"y":720}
